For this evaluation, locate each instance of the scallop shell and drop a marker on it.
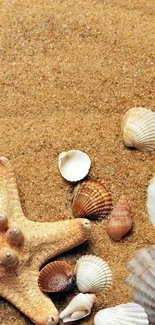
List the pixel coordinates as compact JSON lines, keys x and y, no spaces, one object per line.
{"x":57,"y":276}
{"x":138,"y":128}
{"x":125,"y":314}
{"x":151,"y":200}
{"x":91,"y":199}
{"x":142,"y":280}
{"x":79,"y":307}
{"x":74,"y":165}
{"x":120,"y":221}
{"x":93,"y":274}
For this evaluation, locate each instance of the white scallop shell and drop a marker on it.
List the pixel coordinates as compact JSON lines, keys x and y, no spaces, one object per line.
{"x":125,"y":314}
{"x":93,"y":274}
{"x":79,"y":307}
{"x":151,"y":200}
{"x":74,"y":165}
{"x":138,"y":128}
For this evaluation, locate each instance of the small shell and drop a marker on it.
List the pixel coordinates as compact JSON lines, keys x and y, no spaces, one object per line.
{"x":8,"y":258}
{"x":138,"y":127}
{"x":79,"y":307}
{"x":3,"y":222}
{"x":56,"y":277}
{"x":14,"y":236}
{"x":74,"y":165}
{"x":120,"y":221}
{"x":142,"y":280}
{"x":125,"y":314}
{"x":151,"y":200}
{"x":92,"y":274}
{"x":91,"y":199}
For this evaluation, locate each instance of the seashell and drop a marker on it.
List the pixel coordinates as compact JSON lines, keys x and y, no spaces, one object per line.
{"x":142,"y":280}
{"x":151,"y":200}
{"x":120,"y":221}
{"x":74,"y":165}
{"x":14,"y":236}
{"x":91,"y":199}
{"x":138,"y":128}
{"x":56,"y":277}
{"x":79,"y":307}
{"x":125,"y":314}
{"x":93,"y":274}
{"x":3,"y":222}
{"x":8,"y":258}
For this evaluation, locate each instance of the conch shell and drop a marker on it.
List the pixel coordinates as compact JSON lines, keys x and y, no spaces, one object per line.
{"x":91,"y":199}
{"x":138,"y":128}
{"x":79,"y":307}
{"x":151,"y":200}
{"x":93,"y":274}
{"x":125,"y":314}
{"x":142,"y":280}
{"x":120,"y":221}
{"x":57,"y":276}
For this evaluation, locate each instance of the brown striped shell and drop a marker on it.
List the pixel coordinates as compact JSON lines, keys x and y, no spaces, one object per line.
{"x":91,"y":199}
{"x":57,"y":276}
{"x":120,"y":221}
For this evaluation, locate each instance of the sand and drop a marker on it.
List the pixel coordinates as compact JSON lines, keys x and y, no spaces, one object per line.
{"x":69,"y":72}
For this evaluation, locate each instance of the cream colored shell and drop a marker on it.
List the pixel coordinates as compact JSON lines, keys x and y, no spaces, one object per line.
{"x":151,"y":200}
{"x":125,"y":314}
{"x":138,"y":128}
{"x":93,"y":274}
{"x":79,"y":307}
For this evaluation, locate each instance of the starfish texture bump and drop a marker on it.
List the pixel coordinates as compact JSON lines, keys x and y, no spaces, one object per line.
{"x":25,"y":246}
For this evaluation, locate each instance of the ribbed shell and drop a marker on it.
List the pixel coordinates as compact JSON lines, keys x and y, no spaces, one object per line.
{"x":151,"y":200}
{"x":138,"y":128}
{"x":125,"y":314}
{"x":142,"y":280}
{"x":56,"y":277}
{"x":92,"y":274}
{"x":120,"y":221}
{"x":79,"y":307}
{"x":91,"y":199}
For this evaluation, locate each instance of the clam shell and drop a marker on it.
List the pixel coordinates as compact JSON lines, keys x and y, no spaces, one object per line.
{"x":74,"y":165}
{"x":142,"y":280}
{"x":138,"y":128}
{"x":120,"y":221}
{"x":57,"y":276}
{"x":151,"y":200}
{"x":125,"y":314}
{"x":93,"y":274}
{"x":91,"y":199}
{"x":79,"y":307}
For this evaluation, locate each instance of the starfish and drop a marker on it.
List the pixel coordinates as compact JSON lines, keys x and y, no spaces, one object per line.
{"x":25,"y":246}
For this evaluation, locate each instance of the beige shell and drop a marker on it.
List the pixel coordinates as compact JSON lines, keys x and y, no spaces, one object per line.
{"x":138,"y":128}
{"x":93,"y":274}
{"x":57,"y":276}
{"x":151,"y":200}
{"x":142,"y":280}
{"x":124,"y":314}
{"x":79,"y":307}
{"x":120,"y":221}
{"x":91,"y":199}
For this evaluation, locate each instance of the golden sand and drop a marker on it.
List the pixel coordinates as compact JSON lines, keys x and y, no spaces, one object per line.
{"x":69,"y":71}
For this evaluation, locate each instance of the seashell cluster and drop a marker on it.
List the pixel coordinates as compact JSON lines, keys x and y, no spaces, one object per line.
{"x":92,"y":274}
{"x":74,"y":165}
{"x":125,"y":314}
{"x":57,"y":276}
{"x":138,"y":128}
{"x":120,"y":221}
{"x":142,"y":280}
{"x":91,"y":199}
{"x":151,"y":200}
{"x":79,"y":307}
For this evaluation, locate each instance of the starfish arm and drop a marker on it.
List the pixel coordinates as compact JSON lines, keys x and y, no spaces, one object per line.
{"x":23,"y":292}
{"x":55,"y":238}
